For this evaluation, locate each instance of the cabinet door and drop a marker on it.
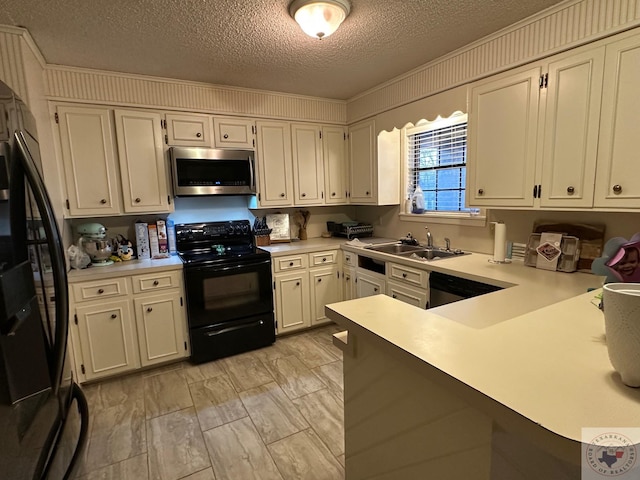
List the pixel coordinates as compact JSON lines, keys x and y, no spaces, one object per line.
{"x":274,"y":164}
{"x":326,"y":288}
{"x":618,"y":168}
{"x":107,"y":338}
{"x":292,"y":301}
{"x":418,"y":297}
{"x":362,"y":149}
{"x":188,"y":130}
{"x":571,"y":120}
{"x":160,"y":321}
{"x":88,"y":154}
{"x":502,"y":140}
{"x":334,"y":154}
{"x":349,"y":284}
{"x":308,"y":174}
{"x":142,"y":162}
{"x":369,"y":284}
{"x":233,"y":132}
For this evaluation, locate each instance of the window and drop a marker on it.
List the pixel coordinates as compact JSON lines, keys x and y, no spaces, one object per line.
{"x":436,"y":161}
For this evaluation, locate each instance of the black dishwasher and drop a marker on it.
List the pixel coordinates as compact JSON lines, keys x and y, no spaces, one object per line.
{"x":445,"y":289}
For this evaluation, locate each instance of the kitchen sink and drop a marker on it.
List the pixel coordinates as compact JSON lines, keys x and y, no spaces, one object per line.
{"x":396,"y":248}
{"x":433,"y":254}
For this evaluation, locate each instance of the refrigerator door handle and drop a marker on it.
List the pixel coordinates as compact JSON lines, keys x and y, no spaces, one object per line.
{"x":54,"y":241}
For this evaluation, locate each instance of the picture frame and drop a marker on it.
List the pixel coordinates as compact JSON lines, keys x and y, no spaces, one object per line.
{"x":279,"y":225}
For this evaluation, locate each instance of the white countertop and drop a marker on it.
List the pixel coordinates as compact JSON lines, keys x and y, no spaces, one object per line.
{"x":130,"y":267}
{"x":314,"y":244}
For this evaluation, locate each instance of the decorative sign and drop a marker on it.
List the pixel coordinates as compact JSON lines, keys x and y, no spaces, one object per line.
{"x":279,"y":225}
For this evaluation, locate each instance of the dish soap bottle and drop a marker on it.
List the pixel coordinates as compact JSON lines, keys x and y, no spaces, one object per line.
{"x":418,"y":201}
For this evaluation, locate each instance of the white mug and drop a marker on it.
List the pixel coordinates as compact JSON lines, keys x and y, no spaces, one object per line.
{"x":621,"y":304}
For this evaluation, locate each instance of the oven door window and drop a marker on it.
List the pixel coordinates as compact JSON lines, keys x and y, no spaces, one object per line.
{"x":220,"y":295}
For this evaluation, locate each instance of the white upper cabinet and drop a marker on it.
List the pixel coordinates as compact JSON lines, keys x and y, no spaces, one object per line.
{"x":232,"y":132}
{"x":189,"y":130}
{"x":142,"y":162}
{"x":571,"y":116}
{"x":308,"y":174}
{"x":273,"y":154}
{"x":88,"y":154}
{"x":502,"y":139}
{"x":618,"y":174}
{"x":374,"y":165}
{"x":335,"y":155}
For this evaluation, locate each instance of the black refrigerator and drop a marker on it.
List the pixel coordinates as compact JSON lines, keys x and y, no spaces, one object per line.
{"x":43,"y":412}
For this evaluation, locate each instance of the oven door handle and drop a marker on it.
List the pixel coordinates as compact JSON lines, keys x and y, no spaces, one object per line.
{"x":237,"y":327}
{"x":225,"y":268}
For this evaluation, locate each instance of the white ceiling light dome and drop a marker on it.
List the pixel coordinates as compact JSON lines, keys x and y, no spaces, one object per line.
{"x":319,"y":18}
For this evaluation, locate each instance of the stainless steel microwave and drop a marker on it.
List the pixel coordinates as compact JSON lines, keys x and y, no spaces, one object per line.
{"x":208,"y":171}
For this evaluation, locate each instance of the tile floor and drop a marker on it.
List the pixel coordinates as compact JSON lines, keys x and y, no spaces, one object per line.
{"x":273,"y":413}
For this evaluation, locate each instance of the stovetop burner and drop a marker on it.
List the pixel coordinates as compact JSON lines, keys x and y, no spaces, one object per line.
{"x":216,"y":242}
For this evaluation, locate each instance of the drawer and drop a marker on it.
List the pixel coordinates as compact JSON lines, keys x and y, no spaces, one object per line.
{"x":323,"y":258}
{"x":157,"y":281}
{"x":111,"y":287}
{"x":350,"y":258}
{"x":291,"y":262}
{"x":409,"y":275}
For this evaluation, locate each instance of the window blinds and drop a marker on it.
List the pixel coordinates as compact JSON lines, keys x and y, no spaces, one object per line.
{"x":437,"y":163}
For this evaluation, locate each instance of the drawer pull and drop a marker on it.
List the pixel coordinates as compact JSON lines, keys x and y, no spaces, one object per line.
{"x":617,"y":188}
{"x":198,"y":134}
{"x":100,"y":291}
{"x":291,"y":264}
{"x":324,"y":259}
{"x":103,"y":201}
{"x":149,"y":309}
{"x":570,"y":190}
{"x":156,"y":283}
{"x":226,"y":135}
{"x":113,"y":315}
{"x":404,"y":275}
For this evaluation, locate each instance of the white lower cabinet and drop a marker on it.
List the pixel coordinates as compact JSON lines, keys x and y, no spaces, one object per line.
{"x":300,"y":293}
{"x":107,"y":339}
{"x":292,"y":301}
{"x":369,"y":283}
{"x":325,"y":289}
{"x":120,"y":324}
{"x":160,"y":337}
{"x":418,"y":297}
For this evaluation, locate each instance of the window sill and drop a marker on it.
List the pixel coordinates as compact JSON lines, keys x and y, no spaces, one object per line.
{"x":445,"y":219}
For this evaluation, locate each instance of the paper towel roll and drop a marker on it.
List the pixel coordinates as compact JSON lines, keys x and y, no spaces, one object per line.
{"x":499,"y":242}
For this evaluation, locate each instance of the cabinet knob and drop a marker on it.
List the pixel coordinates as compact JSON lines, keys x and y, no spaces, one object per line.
{"x":297,"y":284}
{"x":366,"y":193}
{"x":226,"y":135}
{"x":319,"y":280}
{"x":113,"y":315}
{"x":617,"y":188}
{"x":100,"y":291}
{"x":103,"y":201}
{"x":156,"y":283}
{"x":394,"y":296}
{"x":480,"y":191}
{"x":282,"y":195}
{"x":324,"y":259}
{"x":303,"y":195}
{"x":347,"y":278}
{"x":291,"y":264}
{"x":404,"y":275}
{"x":198,"y":134}
{"x":149,"y":309}
{"x":333,"y":194}
{"x":138,"y":200}
{"x":570,"y":190}
{"x":375,"y":289}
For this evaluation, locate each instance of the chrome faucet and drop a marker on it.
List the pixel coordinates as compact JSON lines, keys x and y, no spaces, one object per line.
{"x":429,"y":238}
{"x":447,"y":242}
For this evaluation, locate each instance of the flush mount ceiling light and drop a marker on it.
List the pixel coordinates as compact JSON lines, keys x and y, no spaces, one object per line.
{"x":319,"y":18}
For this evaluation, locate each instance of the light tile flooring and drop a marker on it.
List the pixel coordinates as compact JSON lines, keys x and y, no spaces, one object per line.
{"x":273,"y":413}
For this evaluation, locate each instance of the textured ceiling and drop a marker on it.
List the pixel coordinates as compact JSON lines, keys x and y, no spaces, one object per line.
{"x":255,"y":43}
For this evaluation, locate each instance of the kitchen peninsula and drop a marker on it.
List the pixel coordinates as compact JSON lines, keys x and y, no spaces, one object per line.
{"x":488,"y":387}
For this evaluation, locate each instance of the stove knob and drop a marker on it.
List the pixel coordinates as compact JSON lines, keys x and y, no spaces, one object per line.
{"x":245,"y":229}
